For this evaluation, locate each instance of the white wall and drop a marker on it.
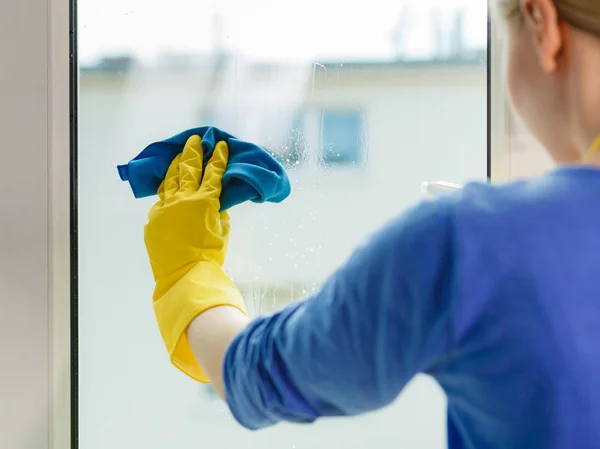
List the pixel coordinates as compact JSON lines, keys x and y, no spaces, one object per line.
{"x":422,"y":125}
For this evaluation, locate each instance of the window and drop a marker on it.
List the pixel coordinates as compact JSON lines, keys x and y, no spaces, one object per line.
{"x":342,"y":137}
{"x":208,"y":393}
{"x":294,"y":152}
{"x":207,"y":118}
{"x":294,"y":78}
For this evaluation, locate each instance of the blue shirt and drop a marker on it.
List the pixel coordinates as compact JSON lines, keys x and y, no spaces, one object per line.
{"x":493,"y":291}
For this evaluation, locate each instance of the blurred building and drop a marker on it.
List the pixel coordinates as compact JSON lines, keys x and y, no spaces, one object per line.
{"x":359,"y":138}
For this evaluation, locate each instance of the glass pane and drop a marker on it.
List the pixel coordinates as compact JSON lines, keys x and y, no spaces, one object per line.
{"x":362,"y":102}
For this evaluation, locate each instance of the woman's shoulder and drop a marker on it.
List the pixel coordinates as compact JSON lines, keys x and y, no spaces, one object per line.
{"x":511,"y":213}
{"x":565,"y":186}
{"x":485,"y":214}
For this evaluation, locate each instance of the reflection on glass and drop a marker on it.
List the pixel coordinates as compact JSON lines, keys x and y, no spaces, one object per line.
{"x":361,"y":103}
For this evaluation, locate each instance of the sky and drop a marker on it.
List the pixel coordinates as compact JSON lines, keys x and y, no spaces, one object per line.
{"x":267,"y":29}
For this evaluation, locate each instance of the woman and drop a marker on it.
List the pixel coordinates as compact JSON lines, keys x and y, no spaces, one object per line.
{"x":492,"y":291}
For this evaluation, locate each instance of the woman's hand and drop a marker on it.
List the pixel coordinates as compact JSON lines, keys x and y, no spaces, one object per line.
{"x":186,"y":238}
{"x":185,"y":225}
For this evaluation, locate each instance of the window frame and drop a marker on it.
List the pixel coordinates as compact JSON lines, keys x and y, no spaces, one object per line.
{"x":62,"y":221}
{"x":498,"y":111}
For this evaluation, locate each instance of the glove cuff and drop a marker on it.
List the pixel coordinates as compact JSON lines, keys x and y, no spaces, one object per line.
{"x":203,"y":287}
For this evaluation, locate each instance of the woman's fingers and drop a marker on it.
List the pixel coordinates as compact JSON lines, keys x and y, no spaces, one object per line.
{"x":170,"y":185}
{"x":190,"y":166}
{"x":215,"y":169}
{"x":184,"y":175}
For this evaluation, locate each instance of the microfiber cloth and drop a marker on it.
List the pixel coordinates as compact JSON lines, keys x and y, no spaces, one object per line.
{"x":252,"y":173}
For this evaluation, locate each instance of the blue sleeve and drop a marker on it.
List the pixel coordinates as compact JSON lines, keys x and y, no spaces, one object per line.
{"x":351,"y":348}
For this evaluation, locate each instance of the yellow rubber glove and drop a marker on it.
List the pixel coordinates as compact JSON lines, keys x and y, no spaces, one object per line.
{"x":186,"y":238}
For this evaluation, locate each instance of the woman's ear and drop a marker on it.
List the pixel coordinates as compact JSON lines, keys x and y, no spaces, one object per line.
{"x":541,"y":22}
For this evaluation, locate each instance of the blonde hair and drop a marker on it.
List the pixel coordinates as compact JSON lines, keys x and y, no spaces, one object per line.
{"x":582,"y":14}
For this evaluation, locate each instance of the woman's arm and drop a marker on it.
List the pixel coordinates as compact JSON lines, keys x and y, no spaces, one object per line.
{"x":352,"y":347}
{"x":209,"y":335}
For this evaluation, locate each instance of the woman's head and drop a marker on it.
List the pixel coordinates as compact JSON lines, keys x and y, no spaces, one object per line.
{"x":554,"y":70}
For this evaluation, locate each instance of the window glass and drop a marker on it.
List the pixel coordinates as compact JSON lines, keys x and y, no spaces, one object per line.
{"x":294,"y":152}
{"x":362,"y":102}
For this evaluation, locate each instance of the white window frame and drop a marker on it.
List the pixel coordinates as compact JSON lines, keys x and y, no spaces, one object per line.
{"x":57,"y":101}
{"x":499,"y":132}
{"x":60,"y":177}
{"x":35,"y":389}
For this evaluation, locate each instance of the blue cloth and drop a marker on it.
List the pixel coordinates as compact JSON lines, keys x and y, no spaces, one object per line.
{"x":493,"y":291}
{"x":252,"y":173}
